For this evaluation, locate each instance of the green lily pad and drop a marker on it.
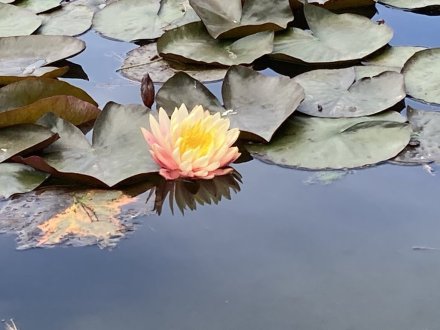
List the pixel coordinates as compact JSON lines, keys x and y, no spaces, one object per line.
{"x":145,"y":59}
{"x":422,"y":75}
{"x":130,"y":20}
{"x":336,"y":93}
{"x":118,"y":151}
{"x":25,"y":56}
{"x":332,"y":38}
{"x":69,"y":20}
{"x":19,"y":178}
{"x":248,"y":97}
{"x":38,"y":6}
{"x":333,"y":4}
{"x":27,"y":100}
{"x":43,"y":72}
{"x":16,"y":21}
{"x":327,"y":143}
{"x":229,"y":19}
{"x":411,"y":4}
{"x":370,"y":71}
{"x":259,"y":104}
{"x":7,"y":1}
{"x":425,"y":142}
{"x":192,"y":43}
{"x":393,"y":57}
{"x":23,"y":139}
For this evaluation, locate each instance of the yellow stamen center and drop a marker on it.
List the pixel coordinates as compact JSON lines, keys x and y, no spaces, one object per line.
{"x":196,"y":136}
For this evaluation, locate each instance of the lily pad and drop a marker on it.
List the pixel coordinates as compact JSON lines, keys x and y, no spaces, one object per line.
{"x":38,"y":6}
{"x":327,"y":143}
{"x":69,"y":20}
{"x":22,"y":139}
{"x":145,"y":59}
{"x":27,"y":100}
{"x":24,"y":56}
{"x":332,"y":38}
{"x":422,"y":75}
{"x":393,"y":57}
{"x":19,"y":178}
{"x":333,"y":4}
{"x":336,"y":93}
{"x":259,"y":104}
{"x":248,"y":97}
{"x":16,"y":21}
{"x":192,"y":43}
{"x":43,"y":72}
{"x":411,"y":4}
{"x":118,"y":151}
{"x":130,"y":20}
{"x":61,"y":217}
{"x":229,"y":19}
{"x":425,"y":142}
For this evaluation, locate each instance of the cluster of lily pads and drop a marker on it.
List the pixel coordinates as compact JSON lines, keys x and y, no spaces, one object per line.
{"x":341,"y":111}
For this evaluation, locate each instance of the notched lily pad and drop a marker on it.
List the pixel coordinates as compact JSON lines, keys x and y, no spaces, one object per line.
{"x":425,"y":143}
{"x":333,"y":4}
{"x":18,"y":179}
{"x":38,"y":6}
{"x":55,"y":217}
{"x":422,"y":75}
{"x":412,"y":4}
{"x":231,"y":19}
{"x":69,"y":20}
{"x":337,"y":93}
{"x":130,"y":20}
{"x":16,"y":21}
{"x":145,"y":59}
{"x":28,"y":55}
{"x":192,"y":43}
{"x":27,"y":100}
{"x":327,"y":143}
{"x":118,"y":151}
{"x":22,"y":139}
{"x":332,"y":38}
{"x":247,"y":95}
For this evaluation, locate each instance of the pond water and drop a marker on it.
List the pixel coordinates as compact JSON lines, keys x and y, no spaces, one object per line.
{"x":282,"y":254}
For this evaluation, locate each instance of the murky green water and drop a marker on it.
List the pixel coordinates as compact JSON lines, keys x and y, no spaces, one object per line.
{"x":281,"y":255}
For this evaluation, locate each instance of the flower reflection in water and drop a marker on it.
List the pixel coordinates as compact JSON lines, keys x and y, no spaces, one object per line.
{"x":52,"y":217}
{"x":187,"y":194}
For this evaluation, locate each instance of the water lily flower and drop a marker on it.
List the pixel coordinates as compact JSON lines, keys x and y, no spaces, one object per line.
{"x":192,"y":144}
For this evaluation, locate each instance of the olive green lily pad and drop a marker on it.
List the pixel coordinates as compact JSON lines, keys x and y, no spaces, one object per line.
{"x":130,"y":20}
{"x":38,"y":6}
{"x":69,"y":20}
{"x":21,"y":139}
{"x":411,"y":4}
{"x":336,"y":93}
{"x":332,"y":38}
{"x":192,"y":43}
{"x":145,"y":59}
{"x":229,"y":19}
{"x":27,"y":100}
{"x":16,"y":21}
{"x":425,"y":143}
{"x":327,"y":143}
{"x":370,"y":71}
{"x":24,"y":56}
{"x":248,"y":95}
{"x":19,"y":178}
{"x":118,"y":151}
{"x":422,"y":75}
